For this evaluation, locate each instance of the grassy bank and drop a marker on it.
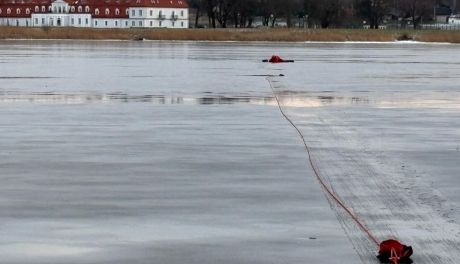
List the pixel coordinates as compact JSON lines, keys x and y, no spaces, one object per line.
{"x":229,"y":34}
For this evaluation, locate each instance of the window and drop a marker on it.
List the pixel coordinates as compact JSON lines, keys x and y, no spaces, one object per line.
{"x":17,"y":23}
{"x":8,"y":11}
{"x":36,"y":21}
{"x":116,"y":23}
{"x":27,"y":11}
{"x":80,"y":9}
{"x":107,"y":11}
{"x":140,"y":23}
{"x":95,"y":23}
{"x":72,"y":21}
{"x":43,"y":9}
{"x":126,"y":23}
{"x":182,"y":13}
{"x":182,"y":24}
{"x":161,"y":22}
{"x":86,"y":21}
{"x":132,"y":24}
{"x":127,"y":12}
{"x":37,"y":9}
{"x":151,"y":12}
{"x":106,"y":23}
{"x":87,"y":9}
{"x":18,"y":11}
{"x":117,"y":11}
{"x":0,"y":10}
{"x":173,"y":23}
{"x":151,"y":23}
{"x":133,"y":13}
{"x":79,"y":21}
{"x":96,"y":12}
{"x":43,"y":21}
{"x":72,"y":9}
{"x":140,"y":12}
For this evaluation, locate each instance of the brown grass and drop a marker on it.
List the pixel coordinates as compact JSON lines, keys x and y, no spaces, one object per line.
{"x":289,"y":35}
{"x":438,"y":36}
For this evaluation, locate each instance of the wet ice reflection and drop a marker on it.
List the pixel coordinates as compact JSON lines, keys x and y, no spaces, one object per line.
{"x":440,"y":100}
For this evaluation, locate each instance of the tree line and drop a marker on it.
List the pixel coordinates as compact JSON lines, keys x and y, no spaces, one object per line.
{"x":312,"y":13}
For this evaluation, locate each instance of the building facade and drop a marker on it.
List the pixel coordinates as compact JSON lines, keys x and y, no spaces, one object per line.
{"x":95,"y":13}
{"x":455,"y":19}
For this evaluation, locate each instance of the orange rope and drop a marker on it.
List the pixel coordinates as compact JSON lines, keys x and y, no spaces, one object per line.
{"x":394,"y":256}
{"x":328,"y":190}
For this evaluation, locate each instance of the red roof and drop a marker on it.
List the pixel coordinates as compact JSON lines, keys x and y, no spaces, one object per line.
{"x":127,"y":3}
{"x":18,"y":8}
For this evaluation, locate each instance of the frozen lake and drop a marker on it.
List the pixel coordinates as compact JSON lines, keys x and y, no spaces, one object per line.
{"x":175,"y":152}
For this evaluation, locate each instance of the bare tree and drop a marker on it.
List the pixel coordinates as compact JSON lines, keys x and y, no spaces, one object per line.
{"x":199,"y":6}
{"x":416,"y":10}
{"x":290,"y":9}
{"x":270,"y":10}
{"x":210,"y":6}
{"x":373,"y":11}
{"x":243,"y":12}
{"x":223,"y":11}
{"x":325,"y":12}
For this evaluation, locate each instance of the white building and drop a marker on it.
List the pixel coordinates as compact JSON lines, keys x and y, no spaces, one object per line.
{"x":95,"y":13}
{"x":455,"y":19}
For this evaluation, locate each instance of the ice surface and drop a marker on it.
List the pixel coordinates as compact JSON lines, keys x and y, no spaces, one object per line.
{"x":174,"y":152}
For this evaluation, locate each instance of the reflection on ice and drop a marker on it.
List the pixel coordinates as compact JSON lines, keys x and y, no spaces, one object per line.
{"x":442,"y":100}
{"x":25,"y":77}
{"x":61,"y":98}
{"x":40,"y":250}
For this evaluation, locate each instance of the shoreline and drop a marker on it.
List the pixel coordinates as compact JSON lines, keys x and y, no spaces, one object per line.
{"x":401,"y":42}
{"x":233,"y":35}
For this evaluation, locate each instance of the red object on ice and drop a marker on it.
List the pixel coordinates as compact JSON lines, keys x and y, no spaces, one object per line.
{"x":276,"y":59}
{"x":392,"y":251}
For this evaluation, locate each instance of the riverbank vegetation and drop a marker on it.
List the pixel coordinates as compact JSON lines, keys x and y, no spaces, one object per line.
{"x":289,"y":35}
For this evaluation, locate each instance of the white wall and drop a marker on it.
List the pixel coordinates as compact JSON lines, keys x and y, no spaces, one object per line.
{"x":143,"y":17}
{"x":50,"y":20}
{"x":111,"y":23}
{"x":80,"y":20}
{"x":21,"y":22}
{"x":67,"y":20}
{"x":454,"y":20}
{"x":169,"y":17}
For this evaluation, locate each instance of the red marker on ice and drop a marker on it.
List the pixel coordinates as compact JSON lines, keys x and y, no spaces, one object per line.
{"x":277,"y":59}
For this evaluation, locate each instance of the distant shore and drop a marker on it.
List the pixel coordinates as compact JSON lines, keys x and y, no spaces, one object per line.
{"x":280,"y":35}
